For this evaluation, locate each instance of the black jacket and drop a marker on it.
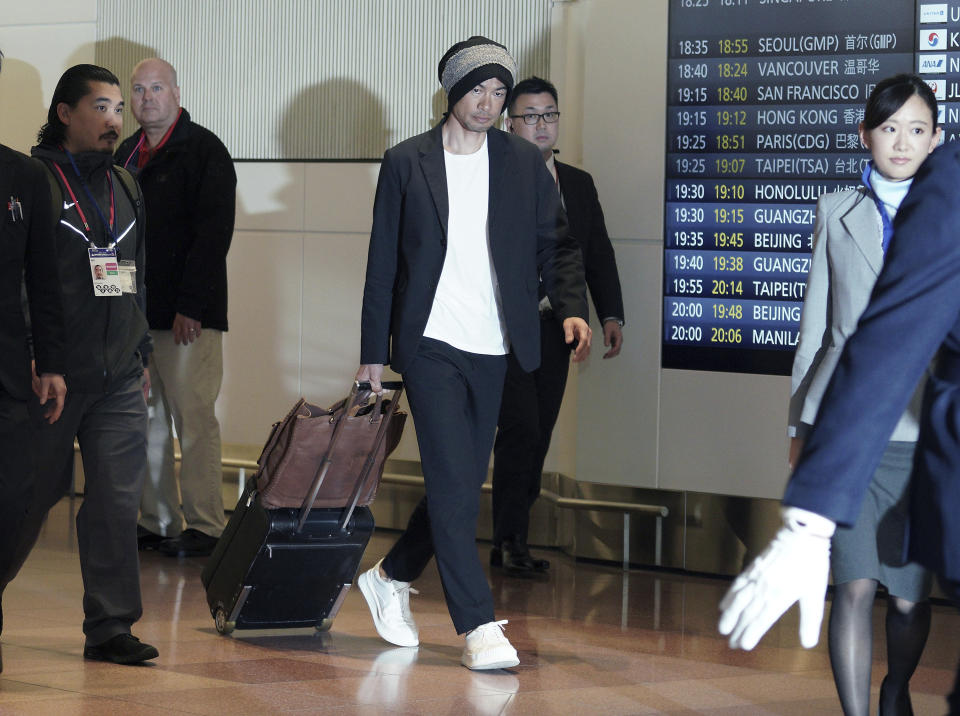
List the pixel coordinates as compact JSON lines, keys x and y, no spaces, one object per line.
{"x":27,"y":243}
{"x":408,"y":242}
{"x":106,"y":337}
{"x":586,"y":224}
{"x":190,"y":190}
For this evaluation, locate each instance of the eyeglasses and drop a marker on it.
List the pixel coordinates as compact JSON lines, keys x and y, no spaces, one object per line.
{"x":548,"y":117}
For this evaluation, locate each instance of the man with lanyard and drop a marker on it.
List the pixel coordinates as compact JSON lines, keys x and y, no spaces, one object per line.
{"x":465,"y":219}
{"x":190,"y":185}
{"x":100,"y":222}
{"x":26,"y":247}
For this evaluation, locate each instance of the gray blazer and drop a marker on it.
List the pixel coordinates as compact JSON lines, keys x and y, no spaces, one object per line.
{"x":847,"y":258}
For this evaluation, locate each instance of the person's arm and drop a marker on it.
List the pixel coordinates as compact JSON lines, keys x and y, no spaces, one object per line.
{"x":560,"y":263}
{"x":45,"y":298}
{"x":599,"y":261}
{"x":815,"y":332}
{"x":213,"y":207}
{"x":145,"y":347}
{"x":380,"y":276}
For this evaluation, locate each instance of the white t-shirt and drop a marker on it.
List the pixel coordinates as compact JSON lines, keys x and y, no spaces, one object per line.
{"x":466,"y":310}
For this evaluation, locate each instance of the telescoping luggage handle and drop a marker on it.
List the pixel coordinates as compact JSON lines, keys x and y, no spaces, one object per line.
{"x":375,"y":416}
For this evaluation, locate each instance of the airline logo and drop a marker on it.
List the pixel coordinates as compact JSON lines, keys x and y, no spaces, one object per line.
{"x":939,"y":88}
{"x":933,"y":39}
{"x":933,"y":12}
{"x":941,"y":113}
{"x":929,"y":64}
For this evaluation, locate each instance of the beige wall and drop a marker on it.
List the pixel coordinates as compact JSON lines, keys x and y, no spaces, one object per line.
{"x":297,"y":262}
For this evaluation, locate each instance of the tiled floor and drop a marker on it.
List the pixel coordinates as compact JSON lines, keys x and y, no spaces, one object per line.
{"x":591,"y":641}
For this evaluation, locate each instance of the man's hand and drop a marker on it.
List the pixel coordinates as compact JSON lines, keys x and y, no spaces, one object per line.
{"x":371,"y":373}
{"x":145,"y":383}
{"x":185,"y":329}
{"x":577,"y":329}
{"x":793,"y":567}
{"x":613,"y":337}
{"x":51,"y":385}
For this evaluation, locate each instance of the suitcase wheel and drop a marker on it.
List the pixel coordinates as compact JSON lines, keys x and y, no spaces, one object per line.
{"x":324,"y":625}
{"x":220,"y":621}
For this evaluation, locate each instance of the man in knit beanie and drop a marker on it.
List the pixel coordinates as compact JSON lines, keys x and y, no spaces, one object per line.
{"x":466,"y":222}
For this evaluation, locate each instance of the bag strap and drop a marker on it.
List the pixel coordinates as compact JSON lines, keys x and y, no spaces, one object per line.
{"x":275,"y":432}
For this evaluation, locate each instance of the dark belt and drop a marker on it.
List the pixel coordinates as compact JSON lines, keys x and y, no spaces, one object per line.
{"x":948,"y":366}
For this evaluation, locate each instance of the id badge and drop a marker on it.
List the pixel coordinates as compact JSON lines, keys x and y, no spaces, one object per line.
{"x":128,"y":276}
{"x":105,"y":272}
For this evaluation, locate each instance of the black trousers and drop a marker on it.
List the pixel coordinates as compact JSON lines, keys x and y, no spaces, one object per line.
{"x":528,"y":412}
{"x":112,"y":431}
{"x":17,"y":477}
{"x":454,"y":397}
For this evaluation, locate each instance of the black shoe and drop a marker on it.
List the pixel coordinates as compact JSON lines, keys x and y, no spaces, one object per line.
{"x":121,"y":649}
{"x":190,"y":543}
{"x":516,"y":560}
{"x":147,"y":540}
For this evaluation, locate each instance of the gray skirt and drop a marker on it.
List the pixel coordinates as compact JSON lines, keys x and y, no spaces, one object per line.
{"x":873,"y":547}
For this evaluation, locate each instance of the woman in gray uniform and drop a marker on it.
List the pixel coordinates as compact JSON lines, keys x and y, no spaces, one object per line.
{"x":853,"y":229}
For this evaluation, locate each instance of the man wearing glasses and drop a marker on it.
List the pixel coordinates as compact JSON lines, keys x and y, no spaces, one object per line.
{"x":531,"y":401}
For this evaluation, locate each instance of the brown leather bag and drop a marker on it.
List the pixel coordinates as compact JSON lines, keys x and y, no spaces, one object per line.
{"x":300,"y":444}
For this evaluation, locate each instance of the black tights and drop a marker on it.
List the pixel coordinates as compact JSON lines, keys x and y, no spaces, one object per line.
{"x":851,"y":647}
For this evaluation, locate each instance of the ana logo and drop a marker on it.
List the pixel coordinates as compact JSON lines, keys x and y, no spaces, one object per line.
{"x":932,"y":64}
{"x":941,"y":113}
{"x":939,"y":88}
{"x":933,"y":12}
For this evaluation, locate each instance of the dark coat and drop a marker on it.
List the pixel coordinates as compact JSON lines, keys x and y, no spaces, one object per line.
{"x":587,"y":226}
{"x":528,"y":237}
{"x":913,"y":315}
{"x":106,"y":338}
{"x":27,"y":243}
{"x":190,"y":191}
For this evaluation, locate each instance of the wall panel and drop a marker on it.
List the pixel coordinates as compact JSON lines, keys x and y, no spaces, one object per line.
{"x":314,"y":79}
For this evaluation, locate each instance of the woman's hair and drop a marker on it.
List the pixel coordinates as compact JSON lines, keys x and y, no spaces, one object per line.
{"x":891,"y":94}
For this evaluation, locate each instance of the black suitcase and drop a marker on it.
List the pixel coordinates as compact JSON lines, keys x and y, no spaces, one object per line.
{"x":265,"y":574}
{"x":289,"y":567}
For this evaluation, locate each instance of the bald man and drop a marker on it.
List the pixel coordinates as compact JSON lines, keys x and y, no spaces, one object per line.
{"x":189,"y":188}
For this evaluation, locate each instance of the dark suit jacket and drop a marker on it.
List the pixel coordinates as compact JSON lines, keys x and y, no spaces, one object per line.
{"x":28,"y":244}
{"x":913,"y":313}
{"x":528,"y":237}
{"x":587,"y":226}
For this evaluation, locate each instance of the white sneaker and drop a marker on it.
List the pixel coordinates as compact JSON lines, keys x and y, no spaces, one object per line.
{"x":389,"y":602}
{"x":488,"y":648}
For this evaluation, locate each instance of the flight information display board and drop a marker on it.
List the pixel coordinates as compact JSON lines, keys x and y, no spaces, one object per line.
{"x":763,"y":107}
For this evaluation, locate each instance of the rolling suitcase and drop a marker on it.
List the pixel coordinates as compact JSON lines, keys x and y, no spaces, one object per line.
{"x":290,"y":551}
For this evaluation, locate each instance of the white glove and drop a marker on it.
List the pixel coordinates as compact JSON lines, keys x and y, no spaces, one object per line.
{"x":793,"y":567}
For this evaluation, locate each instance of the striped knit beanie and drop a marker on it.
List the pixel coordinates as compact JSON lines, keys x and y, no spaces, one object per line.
{"x":468,"y":63}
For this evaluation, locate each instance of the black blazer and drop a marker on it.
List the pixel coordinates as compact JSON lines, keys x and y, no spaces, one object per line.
{"x":586,"y":224}
{"x":27,"y":244}
{"x":528,"y":238}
